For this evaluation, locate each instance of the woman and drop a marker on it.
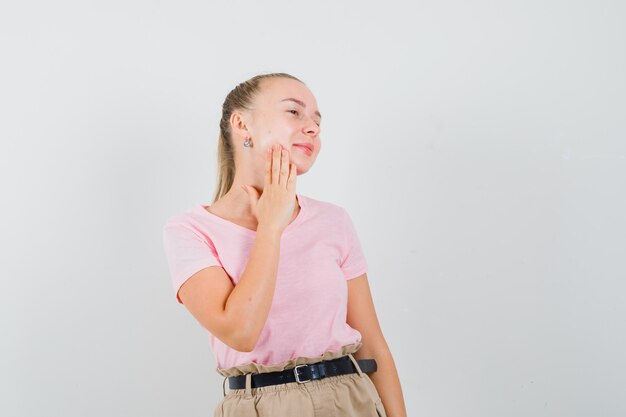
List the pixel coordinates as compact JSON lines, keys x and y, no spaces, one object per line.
{"x":277,"y":278}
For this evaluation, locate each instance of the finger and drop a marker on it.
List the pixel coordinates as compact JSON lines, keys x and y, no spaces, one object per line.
{"x":284,"y":167}
{"x":268,"y":166}
{"x":275,"y":164}
{"x":293,"y":174}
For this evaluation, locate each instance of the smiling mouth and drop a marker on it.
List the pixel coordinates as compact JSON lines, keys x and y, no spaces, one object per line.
{"x":306,"y":149}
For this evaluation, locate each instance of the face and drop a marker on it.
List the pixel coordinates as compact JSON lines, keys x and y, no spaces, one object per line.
{"x":275,"y":118}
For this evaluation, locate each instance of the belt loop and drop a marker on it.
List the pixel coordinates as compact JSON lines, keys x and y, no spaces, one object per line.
{"x":356,"y":365}
{"x":224,"y":385}
{"x":248,"y":385}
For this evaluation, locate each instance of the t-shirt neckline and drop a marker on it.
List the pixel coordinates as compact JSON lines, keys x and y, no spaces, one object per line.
{"x":290,"y":226}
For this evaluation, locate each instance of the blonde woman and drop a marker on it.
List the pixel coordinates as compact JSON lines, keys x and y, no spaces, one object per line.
{"x":278,"y":279}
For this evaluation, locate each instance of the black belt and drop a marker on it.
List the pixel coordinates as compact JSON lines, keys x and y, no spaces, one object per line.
{"x":304,"y":373}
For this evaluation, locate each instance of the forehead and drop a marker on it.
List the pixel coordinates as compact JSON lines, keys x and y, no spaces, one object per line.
{"x":280,"y":88}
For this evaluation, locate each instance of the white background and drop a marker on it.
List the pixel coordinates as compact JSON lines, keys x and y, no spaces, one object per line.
{"x":478,"y":146}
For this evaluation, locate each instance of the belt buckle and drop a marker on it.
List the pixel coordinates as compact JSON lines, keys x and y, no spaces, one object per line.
{"x":295,"y":372}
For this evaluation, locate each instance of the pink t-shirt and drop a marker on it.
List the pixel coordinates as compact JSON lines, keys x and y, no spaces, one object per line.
{"x":319,"y":252}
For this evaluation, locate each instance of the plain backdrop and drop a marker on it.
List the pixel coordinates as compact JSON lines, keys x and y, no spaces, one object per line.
{"x":478,"y":146}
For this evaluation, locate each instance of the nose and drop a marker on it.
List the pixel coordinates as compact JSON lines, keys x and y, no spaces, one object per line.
{"x":312,"y":128}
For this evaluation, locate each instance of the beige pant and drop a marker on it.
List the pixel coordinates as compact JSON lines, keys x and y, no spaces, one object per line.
{"x":335,"y":396}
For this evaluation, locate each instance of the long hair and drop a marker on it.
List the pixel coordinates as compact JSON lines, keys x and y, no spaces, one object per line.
{"x":239,"y":98}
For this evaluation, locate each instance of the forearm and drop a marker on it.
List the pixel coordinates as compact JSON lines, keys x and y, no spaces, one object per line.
{"x":385,"y":380}
{"x":249,"y":303}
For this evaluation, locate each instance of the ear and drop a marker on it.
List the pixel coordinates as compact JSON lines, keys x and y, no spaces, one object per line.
{"x":239,"y":124}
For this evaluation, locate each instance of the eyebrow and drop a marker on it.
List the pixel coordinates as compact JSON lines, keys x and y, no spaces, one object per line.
{"x":300,"y":102}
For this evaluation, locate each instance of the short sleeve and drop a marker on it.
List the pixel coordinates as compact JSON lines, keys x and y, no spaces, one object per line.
{"x":353,"y":263}
{"x":186,"y":252}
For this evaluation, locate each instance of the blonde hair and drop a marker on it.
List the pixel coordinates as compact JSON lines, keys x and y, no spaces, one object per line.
{"x":239,"y":98}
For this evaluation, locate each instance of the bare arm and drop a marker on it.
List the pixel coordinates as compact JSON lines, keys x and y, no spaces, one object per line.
{"x":248,"y":305}
{"x":362,"y":316}
{"x":236,"y":314}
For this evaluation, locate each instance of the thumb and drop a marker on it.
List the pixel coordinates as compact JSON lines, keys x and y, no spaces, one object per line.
{"x":252,"y":193}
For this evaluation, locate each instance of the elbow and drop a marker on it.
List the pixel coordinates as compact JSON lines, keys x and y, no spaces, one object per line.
{"x":235,"y":343}
{"x":239,"y":334}
{"x":244,"y":348}
{"x":246,"y":344}
{"x":241,"y":342}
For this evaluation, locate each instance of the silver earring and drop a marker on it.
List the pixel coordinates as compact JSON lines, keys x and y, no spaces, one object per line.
{"x":247,"y":143}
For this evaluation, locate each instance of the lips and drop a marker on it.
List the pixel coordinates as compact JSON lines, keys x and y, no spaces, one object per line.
{"x":307,"y":146}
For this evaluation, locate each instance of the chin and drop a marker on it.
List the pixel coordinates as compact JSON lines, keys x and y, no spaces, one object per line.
{"x":303,"y":168}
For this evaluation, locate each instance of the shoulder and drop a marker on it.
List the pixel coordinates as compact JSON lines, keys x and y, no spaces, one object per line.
{"x":326,"y":208}
{"x":188,"y":219}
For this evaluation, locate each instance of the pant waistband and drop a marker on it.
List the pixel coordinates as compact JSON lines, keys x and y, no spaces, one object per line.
{"x":304,"y":373}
